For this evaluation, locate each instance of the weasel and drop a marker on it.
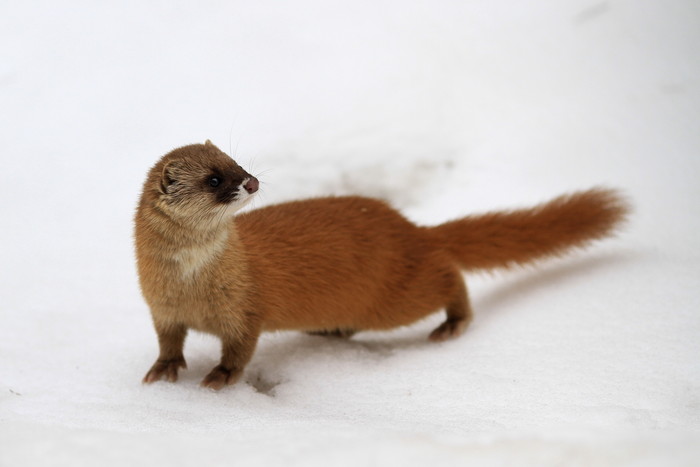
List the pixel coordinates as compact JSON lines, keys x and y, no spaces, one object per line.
{"x":334,"y":265}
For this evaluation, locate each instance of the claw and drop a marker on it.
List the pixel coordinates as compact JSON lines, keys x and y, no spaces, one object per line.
{"x":449,"y":330}
{"x":219,"y":377}
{"x":164,"y":369}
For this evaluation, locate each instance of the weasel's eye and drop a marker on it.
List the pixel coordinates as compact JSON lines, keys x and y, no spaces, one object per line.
{"x":214,"y":181}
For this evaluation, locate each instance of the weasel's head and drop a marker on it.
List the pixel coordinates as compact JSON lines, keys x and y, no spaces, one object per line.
{"x":199,"y":185}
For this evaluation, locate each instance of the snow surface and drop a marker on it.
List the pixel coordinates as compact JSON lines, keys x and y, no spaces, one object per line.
{"x":444,"y":108}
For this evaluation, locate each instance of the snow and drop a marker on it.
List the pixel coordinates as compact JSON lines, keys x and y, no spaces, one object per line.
{"x":444,"y":108}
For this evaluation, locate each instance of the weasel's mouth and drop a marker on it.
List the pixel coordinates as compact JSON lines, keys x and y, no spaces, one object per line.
{"x":226,"y":197}
{"x":241,"y":193}
{"x":245,"y":189}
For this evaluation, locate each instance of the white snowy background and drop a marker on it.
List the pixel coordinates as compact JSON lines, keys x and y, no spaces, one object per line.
{"x":443,"y":108}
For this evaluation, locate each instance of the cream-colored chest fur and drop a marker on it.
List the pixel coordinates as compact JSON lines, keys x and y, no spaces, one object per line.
{"x":192,"y":259}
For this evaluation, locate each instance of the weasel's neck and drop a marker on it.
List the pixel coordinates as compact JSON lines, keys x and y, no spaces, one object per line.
{"x":194,"y":258}
{"x":191,"y":250}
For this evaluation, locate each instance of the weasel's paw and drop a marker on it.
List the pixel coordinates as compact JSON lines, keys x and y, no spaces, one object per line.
{"x":219,"y":377}
{"x":449,"y":330}
{"x":165,"y":369}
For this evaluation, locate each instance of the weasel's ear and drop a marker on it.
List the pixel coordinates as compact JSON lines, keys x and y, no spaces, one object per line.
{"x":168,"y":177}
{"x":208,"y":143}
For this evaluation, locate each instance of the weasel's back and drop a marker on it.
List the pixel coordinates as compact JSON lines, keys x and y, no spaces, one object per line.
{"x":332,"y":220}
{"x":342,"y":257}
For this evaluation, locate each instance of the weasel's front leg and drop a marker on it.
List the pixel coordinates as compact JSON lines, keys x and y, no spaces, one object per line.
{"x":171,"y":339}
{"x":235,"y":354}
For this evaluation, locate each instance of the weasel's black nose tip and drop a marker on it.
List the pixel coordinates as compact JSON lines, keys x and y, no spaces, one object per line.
{"x":251,"y":186}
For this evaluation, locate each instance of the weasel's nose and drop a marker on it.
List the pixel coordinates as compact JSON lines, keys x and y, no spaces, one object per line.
{"x":251,"y":186}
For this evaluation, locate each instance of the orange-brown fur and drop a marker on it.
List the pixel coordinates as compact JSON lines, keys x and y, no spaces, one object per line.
{"x":332,"y":265}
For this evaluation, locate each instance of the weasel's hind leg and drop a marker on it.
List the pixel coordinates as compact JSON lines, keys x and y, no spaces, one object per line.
{"x":459,"y":314}
{"x":339,"y":333}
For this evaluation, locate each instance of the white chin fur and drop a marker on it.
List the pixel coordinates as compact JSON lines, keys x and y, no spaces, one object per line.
{"x":241,"y":200}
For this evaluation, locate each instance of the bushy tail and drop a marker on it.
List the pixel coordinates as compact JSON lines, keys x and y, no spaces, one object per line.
{"x":509,"y":238}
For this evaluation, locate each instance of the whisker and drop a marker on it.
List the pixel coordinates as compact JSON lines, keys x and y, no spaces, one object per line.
{"x":221,"y":215}
{"x":251,"y":164}
{"x":263,"y":172}
{"x":235,"y":151}
{"x":230,"y":133}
